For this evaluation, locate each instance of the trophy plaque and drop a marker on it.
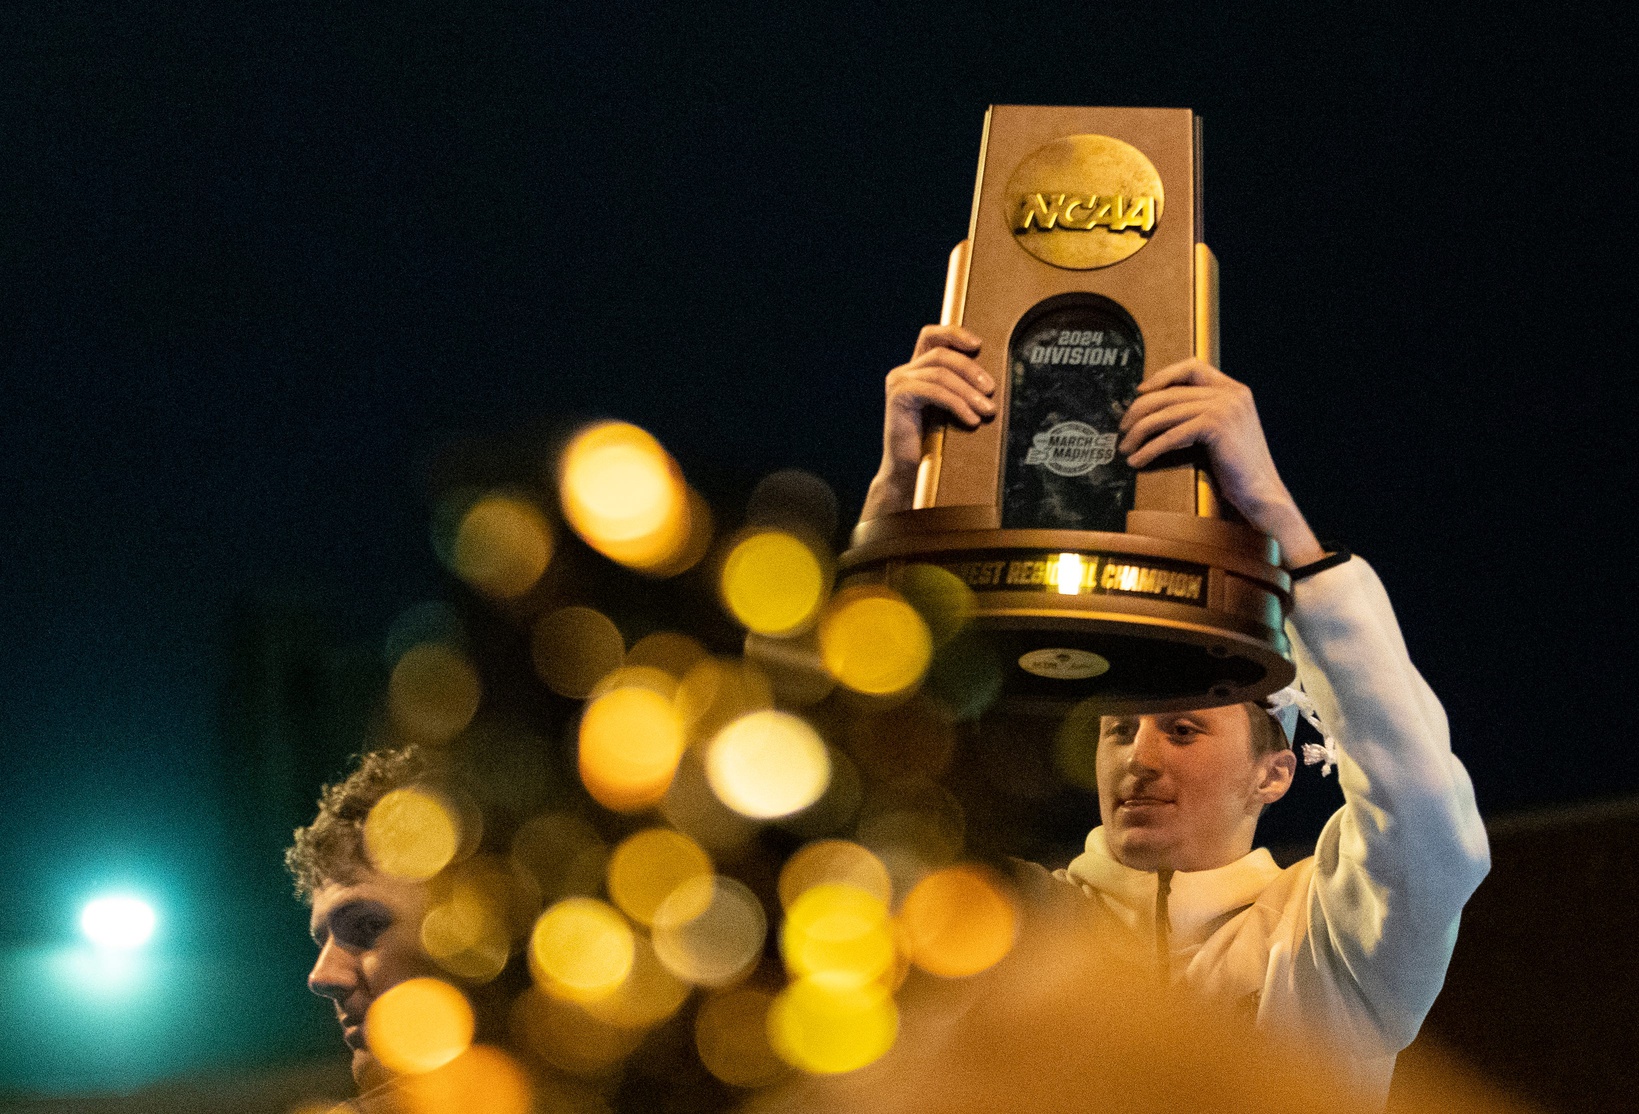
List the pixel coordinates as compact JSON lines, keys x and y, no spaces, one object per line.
{"x":1084,"y":270}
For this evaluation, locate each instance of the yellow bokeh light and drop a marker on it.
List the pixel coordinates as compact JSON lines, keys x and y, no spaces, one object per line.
{"x":767,"y":764}
{"x":637,"y":677}
{"x":827,"y":1025}
{"x":647,"y":996}
{"x":874,"y":642}
{"x":648,"y":866}
{"x":410,"y":833}
{"x":468,"y":930}
{"x":631,"y":740}
{"x":958,"y":921}
{"x":418,"y":1025}
{"x":716,"y":691}
{"x":581,"y":949}
{"x":668,"y":650}
{"x":839,"y":931}
{"x":834,"y":861}
{"x":772,"y":582}
{"x":692,"y":808}
{"x":731,"y":1034}
{"x":502,"y":546}
{"x":561,"y":854}
{"x":574,"y":648}
{"x":569,"y":1038}
{"x":689,"y":544}
{"x":624,"y":495}
{"x":482,"y":1080}
{"x":433,"y":692}
{"x":710,"y":930}
{"x":945,"y":603}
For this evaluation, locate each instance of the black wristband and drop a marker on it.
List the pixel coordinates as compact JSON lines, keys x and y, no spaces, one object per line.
{"x":1336,"y":557}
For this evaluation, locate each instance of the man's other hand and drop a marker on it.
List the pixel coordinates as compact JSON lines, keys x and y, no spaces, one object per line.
{"x":1193,"y":403}
{"x":940,"y":376}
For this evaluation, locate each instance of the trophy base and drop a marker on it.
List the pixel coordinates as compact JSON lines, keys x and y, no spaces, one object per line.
{"x":1181,"y":612}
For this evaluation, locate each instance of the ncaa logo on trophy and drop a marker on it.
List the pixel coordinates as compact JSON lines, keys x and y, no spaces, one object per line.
{"x":1084,"y":267}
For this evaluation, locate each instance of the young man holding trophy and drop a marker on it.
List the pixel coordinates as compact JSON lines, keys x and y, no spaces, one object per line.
{"x":1351,"y":945}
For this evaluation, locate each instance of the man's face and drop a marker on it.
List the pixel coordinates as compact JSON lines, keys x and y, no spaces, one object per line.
{"x":1183,"y":790}
{"x":369,"y":937}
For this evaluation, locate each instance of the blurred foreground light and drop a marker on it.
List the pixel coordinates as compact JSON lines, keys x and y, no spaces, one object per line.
{"x":767,"y":764}
{"x":958,"y":921}
{"x":581,"y":949}
{"x":826,"y":1025}
{"x":560,"y":854}
{"x":625,"y":496}
{"x":569,"y":1038}
{"x":412,"y":834}
{"x":1075,"y":745}
{"x":945,"y":603}
{"x":631,"y":740}
{"x":483,"y":1078}
{"x":838,"y":931}
{"x":574,"y":648}
{"x":118,"y":922}
{"x":648,"y":866}
{"x":647,"y":996}
{"x":834,"y":861}
{"x":433,"y":692}
{"x":669,"y":651}
{"x":502,"y":546}
{"x":710,"y":930}
{"x":731,"y":1034}
{"x":915,"y":739}
{"x":468,"y":931}
{"x":794,"y":499}
{"x":693,"y":808}
{"x":717,"y":691}
{"x":419,"y":1025}
{"x":874,"y":642}
{"x":772,"y":583}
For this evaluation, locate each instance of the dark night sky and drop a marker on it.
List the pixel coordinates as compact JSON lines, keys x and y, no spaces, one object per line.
{"x":263,"y":263}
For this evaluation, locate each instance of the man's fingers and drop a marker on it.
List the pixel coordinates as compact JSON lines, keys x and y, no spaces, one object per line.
{"x":1145,"y":405}
{"x":1178,"y":437}
{"x":1153,"y":425}
{"x":927,"y":392}
{"x":945,"y":336}
{"x":948,"y":380}
{"x":961,"y":363}
{"x":1191,"y":372}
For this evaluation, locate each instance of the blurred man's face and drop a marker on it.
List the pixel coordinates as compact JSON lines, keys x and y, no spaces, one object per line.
{"x":369,"y":937}
{"x":1183,"y":790}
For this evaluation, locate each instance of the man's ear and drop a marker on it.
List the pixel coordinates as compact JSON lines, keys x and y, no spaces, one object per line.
{"x":1275,"y":773}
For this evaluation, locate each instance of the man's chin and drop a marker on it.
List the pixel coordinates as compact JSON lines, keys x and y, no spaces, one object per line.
{"x":367,"y":1070}
{"x":1140,"y":848}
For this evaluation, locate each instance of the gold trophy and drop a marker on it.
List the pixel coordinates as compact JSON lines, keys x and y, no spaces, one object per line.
{"x":1083,"y":270}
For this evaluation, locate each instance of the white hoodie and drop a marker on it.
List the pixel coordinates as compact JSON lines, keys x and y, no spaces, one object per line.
{"x":1350,"y":945}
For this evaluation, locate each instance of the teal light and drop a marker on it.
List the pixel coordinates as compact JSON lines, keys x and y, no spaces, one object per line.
{"x":118,"y":922}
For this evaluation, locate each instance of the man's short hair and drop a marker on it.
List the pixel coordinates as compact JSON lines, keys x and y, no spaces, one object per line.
{"x":331,"y":848}
{"x":502,"y":774}
{"x":1266,"y":732}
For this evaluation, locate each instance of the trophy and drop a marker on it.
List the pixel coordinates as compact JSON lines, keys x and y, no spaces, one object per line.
{"x":1083,"y":270}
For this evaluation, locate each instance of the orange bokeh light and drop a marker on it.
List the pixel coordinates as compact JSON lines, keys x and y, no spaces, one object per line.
{"x":631,"y":740}
{"x":625,"y":496}
{"x":958,"y":921}
{"x":419,"y":1025}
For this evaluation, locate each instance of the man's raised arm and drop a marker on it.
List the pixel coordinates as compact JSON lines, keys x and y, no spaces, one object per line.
{"x":941,"y":377}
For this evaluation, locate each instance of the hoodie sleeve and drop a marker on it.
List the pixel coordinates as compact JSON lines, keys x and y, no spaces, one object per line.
{"x":1395,"y":865}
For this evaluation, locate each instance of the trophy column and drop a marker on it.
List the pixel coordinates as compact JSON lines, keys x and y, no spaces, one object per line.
{"x":1083,"y":271}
